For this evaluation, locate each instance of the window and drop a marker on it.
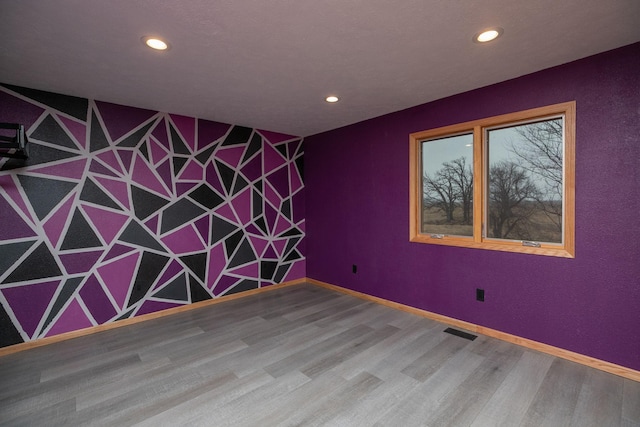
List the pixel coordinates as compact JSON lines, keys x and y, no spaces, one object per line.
{"x":502,"y":183}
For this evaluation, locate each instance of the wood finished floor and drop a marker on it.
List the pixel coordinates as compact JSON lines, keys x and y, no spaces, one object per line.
{"x":303,"y":355}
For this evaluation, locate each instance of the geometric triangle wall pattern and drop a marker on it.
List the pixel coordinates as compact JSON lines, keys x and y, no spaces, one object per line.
{"x":121,"y":211}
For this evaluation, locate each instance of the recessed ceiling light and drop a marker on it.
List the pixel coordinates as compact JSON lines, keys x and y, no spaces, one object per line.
{"x":155,"y":43}
{"x":332,"y":99}
{"x":488,"y":35}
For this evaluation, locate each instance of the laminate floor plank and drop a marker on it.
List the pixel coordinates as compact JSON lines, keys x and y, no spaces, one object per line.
{"x":428,"y":397}
{"x":380,"y":318}
{"x":272,"y":328}
{"x":87,"y":366}
{"x":338,"y":309}
{"x":115,"y":341}
{"x":320,"y":304}
{"x":245,"y":361}
{"x":198,"y":353}
{"x":292,"y":306}
{"x":59,"y":389}
{"x":557,"y":397}
{"x":56,"y":415}
{"x":355,"y":347}
{"x":152,"y":378}
{"x":344,"y":316}
{"x":282,"y":412}
{"x":242,"y":409}
{"x":328,"y":346}
{"x":368,"y":359}
{"x":371,"y":407}
{"x":628,"y":423}
{"x":295,"y":309}
{"x":509,"y":404}
{"x":204,"y":406}
{"x":169,"y":341}
{"x":462,"y":405}
{"x":10,"y":383}
{"x":370,"y":317}
{"x":337,"y":400}
{"x":271,"y":351}
{"x":600,"y":401}
{"x":128,"y":414}
{"x":424,"y":366}
{"x":303,"y":355}
{"x":171,"y":345}
{"x":631,"y":402}
{"x":406,"y":354}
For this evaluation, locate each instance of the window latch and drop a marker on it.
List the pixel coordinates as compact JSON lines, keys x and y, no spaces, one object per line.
{"x":436,"y":236}
{"x":531,"y":244}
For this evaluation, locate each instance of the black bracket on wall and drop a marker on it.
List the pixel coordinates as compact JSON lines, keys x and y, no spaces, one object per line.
{"x":13,"y":141}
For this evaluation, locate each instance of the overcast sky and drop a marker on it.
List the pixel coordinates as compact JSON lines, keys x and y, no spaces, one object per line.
{"x":438,"y":151}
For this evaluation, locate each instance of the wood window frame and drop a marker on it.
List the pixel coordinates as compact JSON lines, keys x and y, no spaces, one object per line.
{"x":478,"y":128}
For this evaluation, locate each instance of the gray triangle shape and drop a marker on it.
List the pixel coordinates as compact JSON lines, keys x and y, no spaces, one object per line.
{"x":179,"y":214}
{"x":178,"y":164}
{"x":134,"y":139}
{"x":198,"y":293}
{"x":176,"y":290}
{"x":80,"y":234}
{"x":127,"y":314}
{"x":98,"y":140}
{"x":50,"y":131}
{"x":204,"y":156}
{"x":93,"y":194}
{"x":151,"y":265}
{"x":179,"y":147}
{"x":68,"y":289}
{"x":243,"y":255}
{"x":39,"y":264}
{"x":146,"y":203}
{"x":145,"y":152}
{"x":242,"y":286}
{"x":226,"y":174}
{"x":240,"y":184}
{"x":254,"y":146}
{"x":136,"y":234}
{"x":282,"y":148}
{"x":44,"y":193}
{"x":220,"y":229}
{"x":206,"y":197}
{"x":196,"y":263}
{"x":11,"y":252}
{"x":281,"y":272}
{"x":9,"y":335}
{"x":238,"y":135}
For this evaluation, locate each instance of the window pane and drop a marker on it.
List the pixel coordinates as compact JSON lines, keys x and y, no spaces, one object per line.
{"x":525,"y":183}
{"x":447,"y":186}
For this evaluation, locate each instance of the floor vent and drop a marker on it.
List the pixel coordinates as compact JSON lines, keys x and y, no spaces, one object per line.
{"x":461,"y":334}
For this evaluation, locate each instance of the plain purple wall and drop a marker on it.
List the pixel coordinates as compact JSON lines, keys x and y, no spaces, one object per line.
{"x":358,"y":199}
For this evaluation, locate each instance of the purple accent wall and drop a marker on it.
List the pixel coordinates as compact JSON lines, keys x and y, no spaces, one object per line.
{"x":357,"y":213}
{"x":120,"y":212}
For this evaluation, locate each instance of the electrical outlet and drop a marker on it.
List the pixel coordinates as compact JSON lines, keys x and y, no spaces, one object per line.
{"x":479,"y":294}
{"x":354,"y":269}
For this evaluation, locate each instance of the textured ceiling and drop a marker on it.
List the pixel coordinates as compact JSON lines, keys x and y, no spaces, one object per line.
{"x":270,"y":64}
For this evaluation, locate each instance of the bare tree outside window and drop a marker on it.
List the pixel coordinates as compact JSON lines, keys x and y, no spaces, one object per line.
{"x":512,"y":195}
{"x":447,"y":186}
{"x":542,"y":156}
{"x":526,"y":181}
